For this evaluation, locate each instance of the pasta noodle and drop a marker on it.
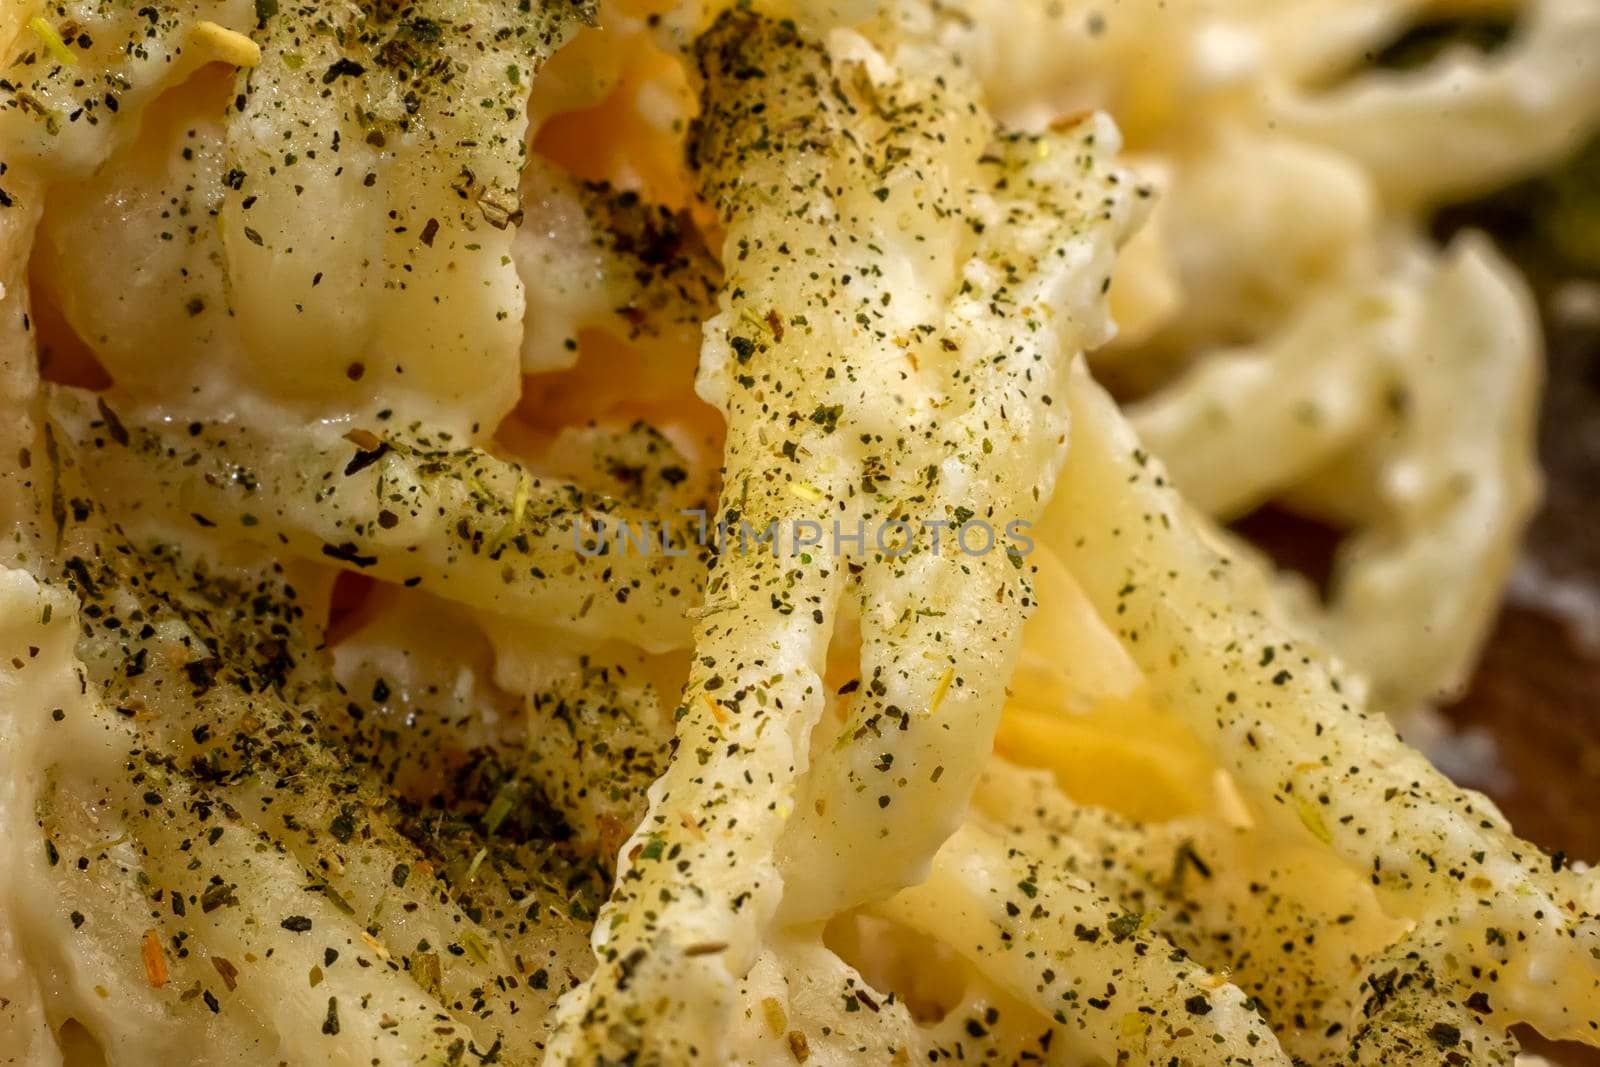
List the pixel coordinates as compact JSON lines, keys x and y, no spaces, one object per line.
{"x":460,"y":520}
{"x":589,"y":534}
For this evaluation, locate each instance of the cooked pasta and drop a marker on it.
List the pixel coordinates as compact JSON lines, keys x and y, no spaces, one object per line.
{"x":585,"y":535}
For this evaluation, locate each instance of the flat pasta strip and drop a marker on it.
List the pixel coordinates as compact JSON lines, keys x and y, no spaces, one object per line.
{"x":1309,"y":395}
{"x":812,"y":445}
{"x":1272,"y":911}
{"x":356,"y":113}
{"x":1371,"y":431}
{"x":941,"y":624}
{"x":1269,"y":706}
{"x":19,"y":367}
{"x":1441,"y":544}
{"x":1491,"y":119}
{"x":417,"y":931}
{"x":598,"y":730}
{"x":1051,"y":939}
{"x":459,"y":522}
{"x":412,"y":304}
{"x":593,"y":257}
{"x":79,"y":74}
{"x":697,"y":878}
{"x":804,"y":1004}
{"x":91,"y":810}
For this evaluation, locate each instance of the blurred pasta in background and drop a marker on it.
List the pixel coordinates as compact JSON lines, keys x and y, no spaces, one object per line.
{"x":333,"y":338}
